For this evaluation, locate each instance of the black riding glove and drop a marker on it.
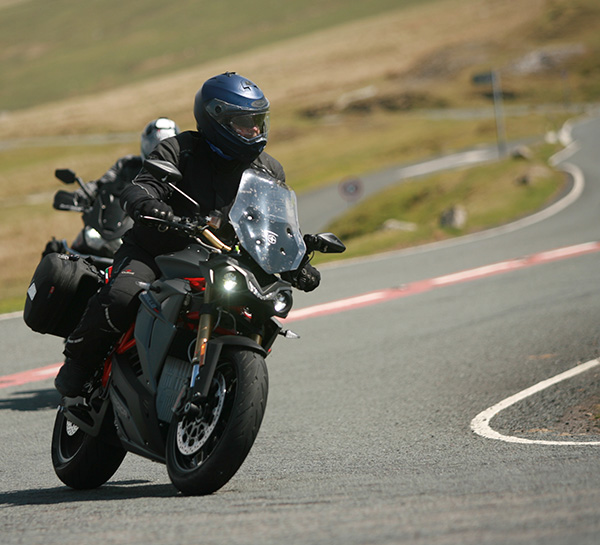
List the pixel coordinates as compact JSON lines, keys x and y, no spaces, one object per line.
{"x":153,"y":208}
{"x":66,"y":200}
{"x":306,"y":278}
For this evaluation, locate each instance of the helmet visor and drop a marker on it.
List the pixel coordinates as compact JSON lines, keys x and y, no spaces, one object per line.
{"x":248,"y":124}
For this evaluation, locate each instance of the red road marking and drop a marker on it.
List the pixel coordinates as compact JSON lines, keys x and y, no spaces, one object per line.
{"x":374,"y":297}
{"x":421,"y":286}
{"x":25,"y":377}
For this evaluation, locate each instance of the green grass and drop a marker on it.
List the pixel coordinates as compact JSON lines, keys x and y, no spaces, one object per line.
{"x":30,"y":170}
{"x":52,"y":51}
{"x":13,"y":304}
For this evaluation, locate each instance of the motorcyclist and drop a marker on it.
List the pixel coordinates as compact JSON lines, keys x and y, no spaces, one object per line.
{"x":99,"y":199}
{"x":126,"y":168}
{"x":232,"y":116}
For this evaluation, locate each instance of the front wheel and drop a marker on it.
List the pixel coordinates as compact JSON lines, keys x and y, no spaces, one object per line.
{"x":204,"y":451}
{"x":80,"y":460}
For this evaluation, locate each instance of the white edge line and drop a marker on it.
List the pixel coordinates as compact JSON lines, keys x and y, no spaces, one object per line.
{"x":480,"y":424}
{"x":564,"y":154}
{"x":565,"y":135}
{"x":10,"y":315}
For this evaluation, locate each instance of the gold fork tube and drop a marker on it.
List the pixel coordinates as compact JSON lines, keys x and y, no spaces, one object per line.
{"x":205,"y":327}
{"x":256,"y":338}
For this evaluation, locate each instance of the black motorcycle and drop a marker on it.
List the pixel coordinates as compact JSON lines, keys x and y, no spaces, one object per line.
{"x":104,"y":221}
{"x":187,"y":385}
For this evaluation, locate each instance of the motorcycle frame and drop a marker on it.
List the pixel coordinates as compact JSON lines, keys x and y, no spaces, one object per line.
{"x":134,"y":396}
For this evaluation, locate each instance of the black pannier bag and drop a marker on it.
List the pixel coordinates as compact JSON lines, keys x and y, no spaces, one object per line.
{"x":58,"y":293}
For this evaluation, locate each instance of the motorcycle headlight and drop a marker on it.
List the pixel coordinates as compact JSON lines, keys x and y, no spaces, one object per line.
{"x":93,"y":238}
{"x":282,"y":302}
{"x":94,"y":242}
{"x":230,"y":281}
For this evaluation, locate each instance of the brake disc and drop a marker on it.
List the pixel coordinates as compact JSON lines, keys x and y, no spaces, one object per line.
{"x":193,"y":433}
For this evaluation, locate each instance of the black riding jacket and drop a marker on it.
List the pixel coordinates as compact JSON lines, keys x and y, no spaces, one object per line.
{"x":209,"y":179}
{"x":115,"y":179}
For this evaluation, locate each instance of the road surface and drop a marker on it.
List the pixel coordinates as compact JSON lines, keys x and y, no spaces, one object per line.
{"x":375,"y":431}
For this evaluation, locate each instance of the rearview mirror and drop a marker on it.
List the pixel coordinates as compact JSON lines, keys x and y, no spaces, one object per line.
{"x":326,"y":243}
{"x":163,"y":170}
{"x":65,"y":175}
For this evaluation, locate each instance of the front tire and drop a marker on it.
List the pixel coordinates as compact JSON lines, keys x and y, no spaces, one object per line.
{"x":205,"y":451}
{"x":80,"y":460}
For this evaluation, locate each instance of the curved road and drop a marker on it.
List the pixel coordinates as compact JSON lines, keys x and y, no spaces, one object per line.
{"x":368,"y":435}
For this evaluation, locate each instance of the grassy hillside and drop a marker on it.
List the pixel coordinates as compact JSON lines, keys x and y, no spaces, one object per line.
{"x":411,"y":212}
{"x":60,"y":49}
{"x":415,"y":56}
{"x":350,"y":97}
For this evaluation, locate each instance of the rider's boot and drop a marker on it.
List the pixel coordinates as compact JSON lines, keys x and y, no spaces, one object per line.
{"x":72,"y":377}
{"x":86,"y":348}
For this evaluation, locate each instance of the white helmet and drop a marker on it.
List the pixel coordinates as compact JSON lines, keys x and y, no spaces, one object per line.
{"x":155,"y":131}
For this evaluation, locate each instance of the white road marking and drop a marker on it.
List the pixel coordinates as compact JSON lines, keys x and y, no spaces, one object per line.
{"x":11,"y":315}
{"x":564,"y":154}
{"x":447,"y":162}
{"x":568,"y":251}
{"x":481,"y":423}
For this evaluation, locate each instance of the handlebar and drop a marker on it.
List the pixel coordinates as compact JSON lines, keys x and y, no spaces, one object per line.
{"x":194,"y":229}
{"x":326,"y":243}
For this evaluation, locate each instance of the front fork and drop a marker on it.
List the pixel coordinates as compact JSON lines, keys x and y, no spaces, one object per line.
{"x":205,"y":359}
{"x":205,"y":327}
{"x":199,"y":360}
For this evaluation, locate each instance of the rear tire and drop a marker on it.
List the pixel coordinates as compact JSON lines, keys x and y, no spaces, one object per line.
{"x":82,"y":461}
{"x":203,"y":452}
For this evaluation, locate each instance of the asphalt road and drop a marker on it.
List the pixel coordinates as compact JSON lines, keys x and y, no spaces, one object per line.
{"x":367,"y":437}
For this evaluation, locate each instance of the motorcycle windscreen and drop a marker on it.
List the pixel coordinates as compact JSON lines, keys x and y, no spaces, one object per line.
{"x":107,"y":217}
{"x":264,"y":216}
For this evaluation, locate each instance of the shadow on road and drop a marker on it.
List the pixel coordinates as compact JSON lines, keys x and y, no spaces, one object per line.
{"x":31,"y":400}
{"x":117,"y":490}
